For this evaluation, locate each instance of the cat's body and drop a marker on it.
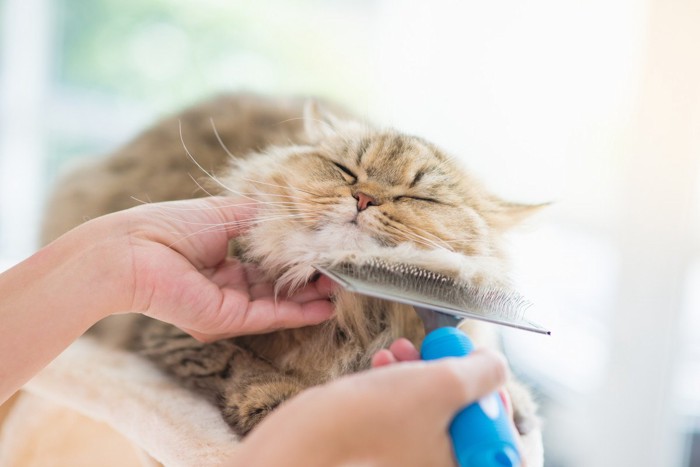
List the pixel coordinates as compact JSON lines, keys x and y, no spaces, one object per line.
{"x":329,"y":189}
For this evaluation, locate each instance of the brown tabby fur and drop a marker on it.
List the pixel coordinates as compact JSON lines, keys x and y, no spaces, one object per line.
{"x":421,"y":197}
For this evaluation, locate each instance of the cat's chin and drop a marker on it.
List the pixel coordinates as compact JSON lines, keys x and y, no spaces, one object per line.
{"x":481,"y":270}
{"x":346,"y":236}
{"x":289,"y":255}
{"x":313,"y":249}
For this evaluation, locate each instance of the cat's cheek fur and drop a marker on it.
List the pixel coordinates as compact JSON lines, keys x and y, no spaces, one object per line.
{"x":289,"y":254}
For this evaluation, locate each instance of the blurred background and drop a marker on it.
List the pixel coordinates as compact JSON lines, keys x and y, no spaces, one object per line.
{"x":593,"y":105}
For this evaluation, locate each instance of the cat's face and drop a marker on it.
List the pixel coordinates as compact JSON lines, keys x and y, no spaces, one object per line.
{"x":353,"y":188}
{"x":382,"y":188}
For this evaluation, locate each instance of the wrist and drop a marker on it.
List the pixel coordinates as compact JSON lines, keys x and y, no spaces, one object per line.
{"x":54,"y":296}
{"x":89,"y":269}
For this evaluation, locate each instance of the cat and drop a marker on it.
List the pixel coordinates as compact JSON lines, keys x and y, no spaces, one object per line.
{"x":331,"y":188}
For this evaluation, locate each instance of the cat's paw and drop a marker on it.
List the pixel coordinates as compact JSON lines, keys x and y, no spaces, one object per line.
{"x":524,"y":407}
{"x":527,"y":422}
{"x":244,"y":408}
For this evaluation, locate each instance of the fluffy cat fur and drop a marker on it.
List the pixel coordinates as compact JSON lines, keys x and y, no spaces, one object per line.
{"x":308,"y":170}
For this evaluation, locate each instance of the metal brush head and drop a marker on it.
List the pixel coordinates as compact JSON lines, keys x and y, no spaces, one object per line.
{"x":423,"y":288}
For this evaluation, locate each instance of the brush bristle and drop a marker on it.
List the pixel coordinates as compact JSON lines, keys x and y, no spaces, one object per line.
{"x":416,"y":282}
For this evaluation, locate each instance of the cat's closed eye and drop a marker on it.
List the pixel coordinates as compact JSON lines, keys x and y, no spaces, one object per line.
{"x":346,"y":171}
{"x":417,"y":198}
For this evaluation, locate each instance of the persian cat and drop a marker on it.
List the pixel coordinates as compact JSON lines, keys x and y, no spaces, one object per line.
{"x":329,"y":187}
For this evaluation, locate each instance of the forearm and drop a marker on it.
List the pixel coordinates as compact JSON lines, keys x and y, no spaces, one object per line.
{"x":157,"y":260}
{"x":53,"y":297}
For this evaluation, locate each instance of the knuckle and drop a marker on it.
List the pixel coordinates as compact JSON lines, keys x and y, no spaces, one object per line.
{"x":203,"y":338}
{"x":467,"y":378}
{"x":496,"y":364}
{"x":451,"y":375}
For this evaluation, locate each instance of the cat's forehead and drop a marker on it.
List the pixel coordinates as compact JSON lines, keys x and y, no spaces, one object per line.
{"x":395,"y":157}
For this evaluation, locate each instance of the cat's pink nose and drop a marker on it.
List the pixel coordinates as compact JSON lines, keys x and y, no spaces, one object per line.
{"x":364,"y":201}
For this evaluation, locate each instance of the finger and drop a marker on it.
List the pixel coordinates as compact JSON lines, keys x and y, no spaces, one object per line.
{"x":262,"y":290}
{"x":461,"y":381}
{"x":383,"y":358}
{"x":258,"y":284}
{"x":518,"y":443}
{"x":294,"y":315}
{"x":439,"y":388}
{"x":253,"y":273}
{"x":505,"y":398}
{"x":236,"y":275}
{"x":508,"y":405}
{"x":312,"y":291}
{"x":404,"y":350}
{"x":230,"y":273}
{"x":326,"y":286}
{"x":265,"y":315}
{"x":204,"y":337}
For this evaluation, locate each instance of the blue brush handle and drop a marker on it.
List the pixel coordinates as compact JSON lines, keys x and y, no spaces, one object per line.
{"x":481,"y":433}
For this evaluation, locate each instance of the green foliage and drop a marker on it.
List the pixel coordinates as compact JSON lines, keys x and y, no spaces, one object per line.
{"x":164,"y":53}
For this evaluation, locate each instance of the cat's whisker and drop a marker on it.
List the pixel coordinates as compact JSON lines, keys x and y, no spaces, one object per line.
{"x":140,"y":200}
{"x":436,"y":241}
{"x":290,"y":197}
{"x":192,"y":234}
{"x":252,"y":203}
{"x":249,"y":195}
{"x":223,"y":227}
{"x":164,"y":205}
{"x":210,"y":208}
{"x":244,"y":195}
{"x":283,"y":196}
{"x":199,"y":185}
{"x":435,"y":237}
{"x":280,"y":216}
{"x":204,"y":208}
{"x":287,"y":120}
{"x":280,"y":186}
{"x":418,"y":238}
{"x":218,"y":138}
{"x":422,"y":240}
{"x":460,"y":240}
{"x":264,"y":217}
{"x":256,"y":220}
{"x":409,"y":236}
{"x":207,"y":229}
{"x":399,"y":228}
{"x":187,"y":151}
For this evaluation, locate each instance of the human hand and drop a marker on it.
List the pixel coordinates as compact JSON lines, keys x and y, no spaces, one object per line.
{"x":165,"y":260}
{"x":394,"y":415}
{"x":403,"y":350}
{"x":175,"y":269}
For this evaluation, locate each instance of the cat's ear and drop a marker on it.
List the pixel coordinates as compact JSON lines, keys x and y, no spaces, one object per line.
{"x":505,"y":214}
{"x":319,"y":124}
